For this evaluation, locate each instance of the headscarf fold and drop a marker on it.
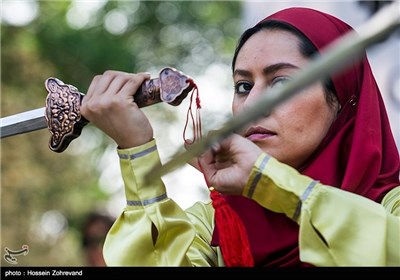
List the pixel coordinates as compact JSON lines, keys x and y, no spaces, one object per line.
{"x":358,"y":154}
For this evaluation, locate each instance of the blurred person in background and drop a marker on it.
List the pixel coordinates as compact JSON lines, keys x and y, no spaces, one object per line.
{"x":94,"y":232}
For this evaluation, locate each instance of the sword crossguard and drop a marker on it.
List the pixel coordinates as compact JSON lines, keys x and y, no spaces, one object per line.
{"x":63,"y":115}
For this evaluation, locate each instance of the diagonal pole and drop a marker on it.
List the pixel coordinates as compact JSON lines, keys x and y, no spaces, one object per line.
{"x":337,"y":55}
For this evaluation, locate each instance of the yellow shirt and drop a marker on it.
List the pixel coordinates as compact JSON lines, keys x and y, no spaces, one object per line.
{"x":337,"y":228}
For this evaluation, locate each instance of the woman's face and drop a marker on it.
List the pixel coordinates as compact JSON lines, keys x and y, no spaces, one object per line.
{"x":295,"y":128}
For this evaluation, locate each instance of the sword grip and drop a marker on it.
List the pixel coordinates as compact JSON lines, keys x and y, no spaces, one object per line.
{"x":63,"y":115}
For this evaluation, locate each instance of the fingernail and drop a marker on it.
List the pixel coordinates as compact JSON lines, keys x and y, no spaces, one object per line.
{"x":215,"y":147}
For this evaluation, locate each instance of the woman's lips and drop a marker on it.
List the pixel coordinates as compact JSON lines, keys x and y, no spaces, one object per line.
{"x":258,"y":133}
{"x":259,"y":136}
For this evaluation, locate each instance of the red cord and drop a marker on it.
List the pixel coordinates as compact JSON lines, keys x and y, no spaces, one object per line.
{"x":196,"y":122}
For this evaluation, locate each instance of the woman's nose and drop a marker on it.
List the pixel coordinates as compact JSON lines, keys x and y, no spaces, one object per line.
{"x":254,"y":96}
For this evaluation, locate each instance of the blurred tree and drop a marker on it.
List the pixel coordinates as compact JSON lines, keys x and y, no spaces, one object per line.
{"x":45,"y":196}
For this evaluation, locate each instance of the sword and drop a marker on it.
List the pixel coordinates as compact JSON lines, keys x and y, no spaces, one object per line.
{"x":23,"y":122}
{"x":61,"y":114}
{"x":336,"y":56}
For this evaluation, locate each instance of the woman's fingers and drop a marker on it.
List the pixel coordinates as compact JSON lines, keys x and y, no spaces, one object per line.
{"x":116,"y":82}
{"x":132,"y":83}
{"x":109,"y":105}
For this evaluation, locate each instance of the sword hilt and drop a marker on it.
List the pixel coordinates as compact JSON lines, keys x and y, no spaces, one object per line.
{"x":63,"y":114}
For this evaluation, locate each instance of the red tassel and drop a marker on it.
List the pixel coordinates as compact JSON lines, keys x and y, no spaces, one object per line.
{"x":232,"y":234}
{"x":233,"y":239}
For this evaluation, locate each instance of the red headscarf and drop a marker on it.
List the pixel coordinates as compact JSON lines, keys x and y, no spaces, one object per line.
{"x":358,"y":154}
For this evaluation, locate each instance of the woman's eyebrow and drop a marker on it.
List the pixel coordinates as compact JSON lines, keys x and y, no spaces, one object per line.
{"x":278,"y":66}
{"x":267,"y":70}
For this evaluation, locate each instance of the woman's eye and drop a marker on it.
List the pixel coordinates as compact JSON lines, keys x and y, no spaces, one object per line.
{"x":279,"y":81}
{"x":243,"y":88}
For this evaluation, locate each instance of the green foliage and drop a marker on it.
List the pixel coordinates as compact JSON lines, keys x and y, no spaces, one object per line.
{"x":46,"y":196}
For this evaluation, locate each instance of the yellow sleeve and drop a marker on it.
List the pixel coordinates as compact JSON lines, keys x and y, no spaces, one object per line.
{"x":337,"y":228}
{"x":153,"y":230}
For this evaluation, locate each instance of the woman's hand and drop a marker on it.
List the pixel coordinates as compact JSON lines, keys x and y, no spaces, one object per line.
{"x":109,"y":104}
{"x":227,"y":165}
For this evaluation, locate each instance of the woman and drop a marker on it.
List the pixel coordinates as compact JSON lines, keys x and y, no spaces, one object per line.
{"x":314,"y":183}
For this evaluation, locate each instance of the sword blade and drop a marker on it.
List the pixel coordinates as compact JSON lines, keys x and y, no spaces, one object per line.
{"x":23,"y":122}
